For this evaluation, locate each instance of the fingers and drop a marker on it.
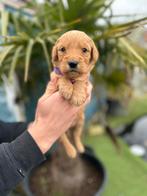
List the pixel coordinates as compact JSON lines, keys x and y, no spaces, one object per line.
{"x":51,"y":87}
{"x":89,"y":90}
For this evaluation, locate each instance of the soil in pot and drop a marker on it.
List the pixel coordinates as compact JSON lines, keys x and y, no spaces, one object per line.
{"x":62,"y":176}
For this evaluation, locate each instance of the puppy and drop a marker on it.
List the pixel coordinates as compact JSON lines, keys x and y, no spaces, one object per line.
{"x":73,"y":56}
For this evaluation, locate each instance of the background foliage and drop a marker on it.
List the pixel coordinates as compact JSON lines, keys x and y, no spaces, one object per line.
{"x":29,"y":33}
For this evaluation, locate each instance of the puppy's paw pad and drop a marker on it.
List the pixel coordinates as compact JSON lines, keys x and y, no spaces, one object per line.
{"x":80,"y":147}
{"x":72,"y":153}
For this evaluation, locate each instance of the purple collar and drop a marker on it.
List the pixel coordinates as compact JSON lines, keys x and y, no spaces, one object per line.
{"x":57,"y":71}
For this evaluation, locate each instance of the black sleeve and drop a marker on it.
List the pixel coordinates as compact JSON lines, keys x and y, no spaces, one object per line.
{"x":16,"y":159}
{"x":9,"y":131}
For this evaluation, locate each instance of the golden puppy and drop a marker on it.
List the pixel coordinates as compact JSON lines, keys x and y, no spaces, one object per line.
{"x":73,"y":56}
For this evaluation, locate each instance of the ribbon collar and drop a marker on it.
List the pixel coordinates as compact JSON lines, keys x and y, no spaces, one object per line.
{"x":58,"y":72}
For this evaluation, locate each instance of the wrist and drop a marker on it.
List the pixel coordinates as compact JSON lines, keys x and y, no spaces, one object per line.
{"x":39,"y":131}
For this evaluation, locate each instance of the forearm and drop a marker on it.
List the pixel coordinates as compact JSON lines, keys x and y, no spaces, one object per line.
{"x":17,"y":158}
{"x":9,"y":131}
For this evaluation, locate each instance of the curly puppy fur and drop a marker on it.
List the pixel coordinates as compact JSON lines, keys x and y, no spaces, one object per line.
{"x":73,"y":56}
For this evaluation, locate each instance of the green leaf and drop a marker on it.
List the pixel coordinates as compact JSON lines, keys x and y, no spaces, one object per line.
{"x":61,"y":6}
{"x":4,"y":52}
{"x":121,"y":29}
{"x":16,"y":23}
{"x":4,"y":22}
{"x":46,"y":52}
{"x":19,"y":39}
{"x":128,"y":46}
{"x":14,"y":61}
{"x":27,"y":58}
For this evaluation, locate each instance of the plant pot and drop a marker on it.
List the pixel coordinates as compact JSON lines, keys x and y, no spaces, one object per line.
{"x":88,"y":157}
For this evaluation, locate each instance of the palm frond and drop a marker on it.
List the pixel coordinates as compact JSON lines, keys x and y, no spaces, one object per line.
{"x":4,"y":52}
{"x":127,"y":46}
{"x":4,"y":22}
{"x":27,"y":58}
{"x":14,"y":61}
{"x":46,"y":53}
{"x":121,"y":29}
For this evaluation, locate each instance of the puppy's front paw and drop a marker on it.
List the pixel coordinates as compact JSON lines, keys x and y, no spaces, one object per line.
{"x":78,"y":100}
{"x":71,"y":151}
{"x":80,"y":147}
{"x":66,"y":92}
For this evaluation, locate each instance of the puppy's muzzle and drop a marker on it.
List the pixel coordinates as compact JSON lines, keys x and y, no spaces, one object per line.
{"x":72,"y":64}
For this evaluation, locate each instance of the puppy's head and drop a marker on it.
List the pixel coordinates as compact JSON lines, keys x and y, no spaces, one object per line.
{"x":74,"y":53}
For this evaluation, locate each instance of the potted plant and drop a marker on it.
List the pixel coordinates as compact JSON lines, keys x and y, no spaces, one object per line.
{"x":26,"y":52}
{"x":84,"y":175}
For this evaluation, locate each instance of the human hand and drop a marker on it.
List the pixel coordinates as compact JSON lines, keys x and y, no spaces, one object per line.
{"x":54,"y":115}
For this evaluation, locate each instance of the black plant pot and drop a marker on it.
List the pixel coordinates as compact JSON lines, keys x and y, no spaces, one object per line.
{"x":93,"y":161}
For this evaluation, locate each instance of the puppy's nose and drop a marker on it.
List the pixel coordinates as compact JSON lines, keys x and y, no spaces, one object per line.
{"x":73,"y":64}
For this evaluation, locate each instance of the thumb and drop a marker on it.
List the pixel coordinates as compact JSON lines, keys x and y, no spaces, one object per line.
{"x":51,"y":87}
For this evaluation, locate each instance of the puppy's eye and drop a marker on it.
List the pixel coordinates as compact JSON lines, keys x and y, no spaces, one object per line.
{"x":84,"y":50}
{"x":62,"y":49}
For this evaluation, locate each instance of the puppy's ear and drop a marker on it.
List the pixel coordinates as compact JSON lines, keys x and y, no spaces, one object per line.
{"x":54,"y":54}
{"x":94,"y":54}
